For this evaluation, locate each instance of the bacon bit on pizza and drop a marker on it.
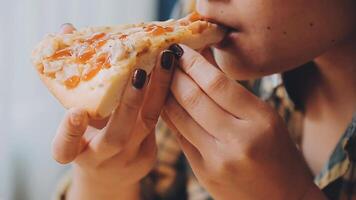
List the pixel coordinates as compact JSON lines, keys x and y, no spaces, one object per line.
{"x":157,"y":30}
{"x":145,"y":50}
{"x":103,"y":61}
{"x":169,"y":29}
{"x":86,"y":55}
{"x":89,"y":75}
{"x":72,"y":82}
{"x":52,"y":75}
{"x":100,"y":44}
{"x":61,"y":53}
{"x":40,"y":68}
{"x":123,"y":37}
{"x":95,"y":38}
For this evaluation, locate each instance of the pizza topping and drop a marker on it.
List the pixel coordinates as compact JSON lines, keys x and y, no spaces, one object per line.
{"x":40,"y":68}
{"x":99,"y":44}
{"x":103,"y":61}
{"x":60,"y":54}
{"x":54,"y":66}
{"x":123,"y":37}
{"x":88,"y":53}
{"x":195,"y":16}
{"x":52,"y":75}
{"x":91,"y":73}
{"x":95,"y":38}
{"x":117,"y":50}
{"x":72,"y":82}
{"x":156,"y":30}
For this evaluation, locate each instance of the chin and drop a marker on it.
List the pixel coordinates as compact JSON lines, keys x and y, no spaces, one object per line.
{"x":237,"y":67}
{"x":240,"y":60}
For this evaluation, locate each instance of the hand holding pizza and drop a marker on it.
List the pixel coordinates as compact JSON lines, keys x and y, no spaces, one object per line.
{"x":111,"y":156}
{"x":237,"y":145}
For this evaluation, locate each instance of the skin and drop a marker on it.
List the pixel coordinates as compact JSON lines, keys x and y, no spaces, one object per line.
{"x":236,"y":152}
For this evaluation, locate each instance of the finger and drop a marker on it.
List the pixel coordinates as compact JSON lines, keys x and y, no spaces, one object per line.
{"x":168,"y":122}
{"x":200,"y":107}
{"x":141,"y":164}
{"x":117,"y":132}
{"x":208,"y":55}
{"x":155,"y":96}
{"x":67,"y":142}
{"x":187,"y":127}
{"x":67,"y":28}
{"x":99,"y":124}
{"x":148,"y":149}
{"x":227,"y":93}
{"x":191,"y":153}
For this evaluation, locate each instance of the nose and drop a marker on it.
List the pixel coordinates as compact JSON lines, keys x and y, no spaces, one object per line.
{"x":210,"y":8}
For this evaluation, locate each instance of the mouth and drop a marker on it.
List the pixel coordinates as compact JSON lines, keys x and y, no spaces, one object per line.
{"x":230,"y":34}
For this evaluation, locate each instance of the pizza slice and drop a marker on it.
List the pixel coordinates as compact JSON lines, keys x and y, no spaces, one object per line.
{"x":91,"y":67}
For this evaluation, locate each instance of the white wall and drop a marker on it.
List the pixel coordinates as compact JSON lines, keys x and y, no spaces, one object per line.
{"x":28,"y":113}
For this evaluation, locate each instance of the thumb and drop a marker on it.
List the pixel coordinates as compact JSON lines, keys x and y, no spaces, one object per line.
{"x":66,"y":144}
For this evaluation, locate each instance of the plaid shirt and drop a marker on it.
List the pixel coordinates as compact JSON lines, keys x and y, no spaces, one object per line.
{"x":172,"y":178}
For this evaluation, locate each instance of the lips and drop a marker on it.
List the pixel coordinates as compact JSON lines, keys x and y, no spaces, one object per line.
{"x":230,"y":34}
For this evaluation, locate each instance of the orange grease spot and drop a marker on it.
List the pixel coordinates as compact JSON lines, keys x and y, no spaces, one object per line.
{"x":95,"y":38}
{"x":60,"y":54}
{"x":100,"y":44}
{"x":195,"y":16}
{"x":157,"y":30}
{"x":103,"y":61}
{"x":91,"y":73}
{"x":123,"y":37}
{"x":72,"y":82}
{"x":87,"y":55}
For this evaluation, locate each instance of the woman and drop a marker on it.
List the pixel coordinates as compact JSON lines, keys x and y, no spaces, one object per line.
{"x":236,"y":145}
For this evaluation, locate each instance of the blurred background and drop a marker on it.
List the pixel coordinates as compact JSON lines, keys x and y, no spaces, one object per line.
{"x":29,"y":115}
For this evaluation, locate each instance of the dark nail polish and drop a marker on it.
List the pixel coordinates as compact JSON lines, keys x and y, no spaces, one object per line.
{"x":139,"y":78}
{"x":167,"y":59}
{"x":177,"y":50}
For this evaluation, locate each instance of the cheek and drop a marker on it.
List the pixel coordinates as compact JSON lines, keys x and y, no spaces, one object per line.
{"x":279,"y":43}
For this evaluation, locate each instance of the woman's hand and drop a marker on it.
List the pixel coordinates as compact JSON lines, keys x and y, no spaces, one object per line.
{"x":237,"y":145}
{"x":111,"y":156}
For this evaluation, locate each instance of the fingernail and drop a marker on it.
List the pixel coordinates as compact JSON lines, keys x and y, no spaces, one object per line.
{"x":177,"y":50}
{"x":139,"y":78}
{"x":76,"y":118}
{"x":167,"y":59}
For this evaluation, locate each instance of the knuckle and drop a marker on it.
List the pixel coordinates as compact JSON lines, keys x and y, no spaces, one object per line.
{"x":114,"y":144}
{"x":133,"y":104}
{"x":191,"y":97}
{"x":164,"y":83}
{"x":226,"y":166}
{"x":149,"y":121}
{"x":61,"y":157}
{"x":218,"y":83}
{"x":194,"y":60}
